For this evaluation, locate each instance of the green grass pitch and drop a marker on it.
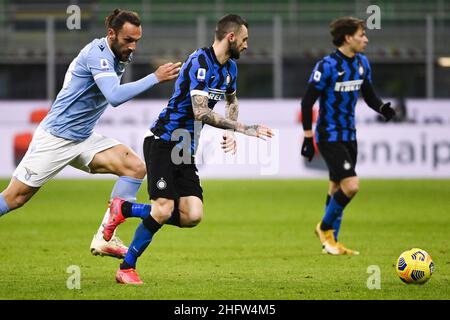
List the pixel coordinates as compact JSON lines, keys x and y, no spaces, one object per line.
{"x":256,"y":241}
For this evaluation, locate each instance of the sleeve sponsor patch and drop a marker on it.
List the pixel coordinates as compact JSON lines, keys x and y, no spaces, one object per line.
{"x":201,"y":74}
{"x":317,"y":75}
{"x":104,"y":64}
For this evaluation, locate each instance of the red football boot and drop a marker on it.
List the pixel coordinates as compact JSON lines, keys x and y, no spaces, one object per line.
{"x":128,"y":276}
{"x":115,"y":218}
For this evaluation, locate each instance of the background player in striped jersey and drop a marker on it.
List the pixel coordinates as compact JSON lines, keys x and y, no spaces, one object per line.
{"x":66,"y":136}
{"x":337,"y":80}
{"x":207,"y":76}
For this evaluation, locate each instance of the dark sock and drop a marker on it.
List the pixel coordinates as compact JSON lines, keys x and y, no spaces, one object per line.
{"x":151,"y":224}
{"x":327,"y":202}
{"x":126,"y":209}
{"x":341,"y":198}
{"x":136,"y":210}
{"x":334,"y":209}
{"x":124,"y":265}
{"x":323,"y":225}
{"x":174,"y":219}
{"x":142,"y":238}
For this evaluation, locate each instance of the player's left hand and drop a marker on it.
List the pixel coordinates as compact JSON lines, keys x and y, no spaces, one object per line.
{"x":308,"y":148}
{"x":387,"y":112}
{"x":229,"y":142}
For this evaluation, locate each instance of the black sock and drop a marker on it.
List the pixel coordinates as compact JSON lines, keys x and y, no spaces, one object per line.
{"x":126,"y":209}
{"x":125,"y":265}
{"x":174,"y":219}
{"x":151,"y":224}
{"x":328,"y":200}
{"x":341,"y":198}
{"x":325,"y":226}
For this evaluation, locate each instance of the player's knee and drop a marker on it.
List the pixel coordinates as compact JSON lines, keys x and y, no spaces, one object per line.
{"x":138,"y":169}
{"x":194,"y":217}
{"x":351,"y":188}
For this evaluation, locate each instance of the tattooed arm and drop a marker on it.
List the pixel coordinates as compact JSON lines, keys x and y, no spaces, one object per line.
{"x":229,"y":143}
{"x":231,"y":107}
{"x":204,"y":114}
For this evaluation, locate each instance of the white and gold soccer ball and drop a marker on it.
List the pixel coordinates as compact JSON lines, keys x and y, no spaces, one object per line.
{"x":415,"y":266}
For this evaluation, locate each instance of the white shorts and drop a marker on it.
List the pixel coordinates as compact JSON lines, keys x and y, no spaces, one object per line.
{"x":47,"y":155}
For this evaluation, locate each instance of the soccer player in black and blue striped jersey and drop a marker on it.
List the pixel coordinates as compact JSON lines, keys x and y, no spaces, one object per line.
{"x":336,"y":80}
{"x":206,"y":77}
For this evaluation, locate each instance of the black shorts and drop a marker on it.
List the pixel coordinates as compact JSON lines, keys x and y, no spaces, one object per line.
{"x":340,"y":158}
{"x":166,"y":179}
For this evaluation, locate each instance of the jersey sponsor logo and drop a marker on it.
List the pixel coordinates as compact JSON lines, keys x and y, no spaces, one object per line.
{"x":216,"y":94}
{"x":340,"y":73}
{"x":104,"y":64}
{"x":101,"y":47}
{"x":201,"y":74}
{"x":347,"y":86}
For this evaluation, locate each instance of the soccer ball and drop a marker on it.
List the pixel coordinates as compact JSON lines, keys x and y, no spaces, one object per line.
{"x":415,"y":266}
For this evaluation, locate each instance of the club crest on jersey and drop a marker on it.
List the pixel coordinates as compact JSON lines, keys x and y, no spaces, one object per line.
{"x":361,"y":70}
{"x":201,"y":74}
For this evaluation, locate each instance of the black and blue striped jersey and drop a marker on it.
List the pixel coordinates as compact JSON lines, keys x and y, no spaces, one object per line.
{"x":200,"y":74}
{"x":339,"y":78}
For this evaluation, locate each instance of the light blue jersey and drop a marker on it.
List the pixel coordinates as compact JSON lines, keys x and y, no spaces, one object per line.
{"x":91,"y":82}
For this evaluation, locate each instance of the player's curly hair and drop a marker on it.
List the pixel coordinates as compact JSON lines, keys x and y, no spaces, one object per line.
{"x":118,"y":18}
{"x":341,"y":27}
{"x":229,"y":23}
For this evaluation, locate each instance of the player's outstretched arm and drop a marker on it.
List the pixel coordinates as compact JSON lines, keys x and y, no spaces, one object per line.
{"x":168,"y":71}
{"x":116,"y":93}
{"x":203,"y":113}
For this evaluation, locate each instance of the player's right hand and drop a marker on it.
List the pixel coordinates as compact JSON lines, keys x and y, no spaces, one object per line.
{"x":308,"y":148}
{"x":387,"y":112}
{"x":258,"y":131}
{"x":168,"y":71}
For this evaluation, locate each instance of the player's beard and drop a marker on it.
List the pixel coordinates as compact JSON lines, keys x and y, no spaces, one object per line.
{"x":234,"y":51}
{"x":115,"y":47}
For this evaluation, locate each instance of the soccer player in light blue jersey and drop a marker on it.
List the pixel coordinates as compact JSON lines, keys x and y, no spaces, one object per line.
{"x":66,"y":136}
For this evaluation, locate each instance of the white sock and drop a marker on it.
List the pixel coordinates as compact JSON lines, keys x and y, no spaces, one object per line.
{"x":102,"y":225}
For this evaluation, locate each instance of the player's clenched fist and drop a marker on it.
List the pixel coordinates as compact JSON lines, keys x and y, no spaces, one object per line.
{"x":168,"y":71}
